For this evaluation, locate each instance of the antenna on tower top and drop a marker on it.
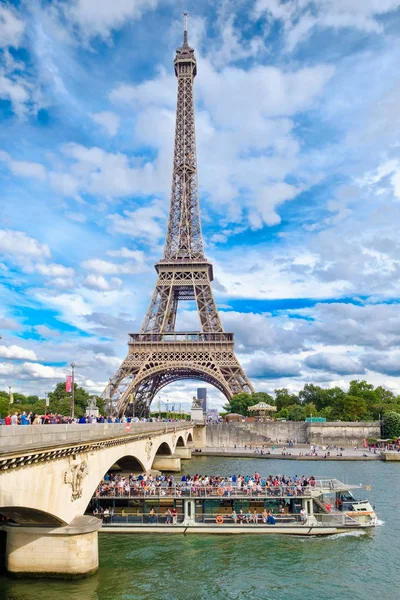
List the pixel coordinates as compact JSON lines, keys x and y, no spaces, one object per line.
{"x":185,"y":36}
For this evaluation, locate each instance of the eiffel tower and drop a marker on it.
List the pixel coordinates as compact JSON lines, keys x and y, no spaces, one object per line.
{"x":158,"y":354}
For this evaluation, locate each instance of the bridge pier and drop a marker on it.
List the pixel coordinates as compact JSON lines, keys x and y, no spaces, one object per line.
{"x":64,"y":552}
{"x":183,"y":452}
{"x":164,"y":462}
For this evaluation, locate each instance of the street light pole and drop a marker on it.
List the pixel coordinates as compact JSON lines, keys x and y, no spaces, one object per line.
{"x":9,"y":399}
{"x":73,"y":391}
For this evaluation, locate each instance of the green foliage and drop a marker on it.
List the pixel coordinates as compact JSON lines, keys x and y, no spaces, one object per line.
{"x":284,"y":399}
{"x":240,"y":402}
{"x":59,"y":402}
{"x":391,"y":424}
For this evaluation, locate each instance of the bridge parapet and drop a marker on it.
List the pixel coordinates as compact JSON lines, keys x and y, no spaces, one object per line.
{"x":31,"y":437}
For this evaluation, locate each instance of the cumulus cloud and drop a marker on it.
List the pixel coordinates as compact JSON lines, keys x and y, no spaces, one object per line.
{"x":387,"y":363}
{"x":98,"y":282}
{"x":301,"y":19}
{"x":18,"y":243}
{"x":11,"y":27}
{"x":16,"y":353}
{"x":334,"y":363}
{"x":23,"y":168}
{"x":100,"y":17}
{"x":142,"y":223}
{"x":107,"y":119}
{"x":105,"y":267}
{"x":271,"y":366}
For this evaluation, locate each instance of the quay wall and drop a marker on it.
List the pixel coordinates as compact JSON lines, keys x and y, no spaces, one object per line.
{"x":226,"y":435}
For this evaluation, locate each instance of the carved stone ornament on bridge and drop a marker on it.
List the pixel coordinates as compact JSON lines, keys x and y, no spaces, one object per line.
{"x":148,"y":448}
{"x":75,"y":477}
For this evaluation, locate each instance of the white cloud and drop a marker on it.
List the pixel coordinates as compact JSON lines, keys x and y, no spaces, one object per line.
{"x":11,"y":27}
{"x":300,"y":19}
{"x":16,"y":353}
{"x":271,"y":366}
{"x":15,"y":92}
{"x":17,"y":244}
{"x":334,"y":363}
{"x":105,"y":267}
{"x":98,"y":282}
{"x":142,"y":223}
{"x":32,"y":371}
{"x":100,"y":17}
{"x":47,"y":332}
{"x":107,"y":119}
{"x":23,"y":167}
{"x":137,"y":255}
{"x":54,"y":270}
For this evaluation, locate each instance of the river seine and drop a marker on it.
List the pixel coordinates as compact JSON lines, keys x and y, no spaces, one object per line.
{"x":177,"y":567}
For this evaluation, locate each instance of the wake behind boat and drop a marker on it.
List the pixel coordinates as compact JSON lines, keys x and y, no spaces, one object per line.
{"x":234,"y":505}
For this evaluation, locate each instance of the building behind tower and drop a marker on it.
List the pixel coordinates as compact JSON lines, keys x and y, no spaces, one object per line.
{"x":202,"y":395}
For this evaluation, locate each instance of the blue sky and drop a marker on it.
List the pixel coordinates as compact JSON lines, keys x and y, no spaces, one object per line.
{"x":298,"y":138}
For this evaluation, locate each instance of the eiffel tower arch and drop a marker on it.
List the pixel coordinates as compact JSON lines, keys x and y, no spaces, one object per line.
{"x":159,"y":355}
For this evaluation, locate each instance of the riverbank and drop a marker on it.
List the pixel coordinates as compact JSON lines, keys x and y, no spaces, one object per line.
{"x":297,"y":453}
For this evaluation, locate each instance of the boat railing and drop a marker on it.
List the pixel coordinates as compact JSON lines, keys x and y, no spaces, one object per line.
{"x":120,"y":520}
{"x":221,"y":492}
{"x":332,"y":484}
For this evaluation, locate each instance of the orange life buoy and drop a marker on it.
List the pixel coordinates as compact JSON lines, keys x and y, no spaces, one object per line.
{"x":219,"y":519}
{"x":220,"y":491}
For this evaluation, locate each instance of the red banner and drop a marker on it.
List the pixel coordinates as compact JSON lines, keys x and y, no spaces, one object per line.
{"x":68,"y":384}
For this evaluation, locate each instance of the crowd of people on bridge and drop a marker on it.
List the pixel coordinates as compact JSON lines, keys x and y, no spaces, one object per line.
{"x":118,"y":485}
{"x":50,"y":418}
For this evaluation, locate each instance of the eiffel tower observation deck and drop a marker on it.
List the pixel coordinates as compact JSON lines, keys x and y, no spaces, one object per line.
{"x":158,"y":354}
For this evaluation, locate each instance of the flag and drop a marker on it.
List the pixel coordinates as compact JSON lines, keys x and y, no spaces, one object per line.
{"x":11,"y":398}
{"x":68,"y":384}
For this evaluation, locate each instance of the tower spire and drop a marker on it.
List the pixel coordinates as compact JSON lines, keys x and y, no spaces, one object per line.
{"x":185,"y":34}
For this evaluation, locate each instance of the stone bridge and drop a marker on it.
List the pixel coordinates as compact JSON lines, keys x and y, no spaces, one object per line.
{"x":48,"y":474}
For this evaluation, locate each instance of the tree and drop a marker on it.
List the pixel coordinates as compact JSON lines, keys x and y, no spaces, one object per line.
{"x":391,"y":424}
{"x":240,"y":402}
{"x":60,"y":400}
{"x":262,"y":397}
{"x":284,"y":399}
{"x":296,"y":412}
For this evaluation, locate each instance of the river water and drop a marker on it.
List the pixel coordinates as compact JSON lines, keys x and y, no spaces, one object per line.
{"x":346,"y":567}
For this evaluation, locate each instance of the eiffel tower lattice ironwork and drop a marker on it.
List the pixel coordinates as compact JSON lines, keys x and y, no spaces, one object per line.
{"x":159,"y":355}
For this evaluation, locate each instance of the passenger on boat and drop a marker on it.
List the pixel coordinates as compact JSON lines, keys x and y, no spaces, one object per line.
{"x":152,"y":515}
{"x":234,"y":517}
{"x":168,"y":516}
{"x":264,"y":516}
{"x":174,"y":513}
{"x":241,"y":517}
{"x":255,"y":517}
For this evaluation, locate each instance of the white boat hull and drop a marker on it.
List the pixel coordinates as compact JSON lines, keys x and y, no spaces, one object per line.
{"x":213,"y":529}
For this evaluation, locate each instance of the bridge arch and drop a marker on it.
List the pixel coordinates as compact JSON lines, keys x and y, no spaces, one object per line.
{"x":189,"y":438}
{"x":31,"y":517}
{"x":164,"y":449}
{"x":180,"y":442}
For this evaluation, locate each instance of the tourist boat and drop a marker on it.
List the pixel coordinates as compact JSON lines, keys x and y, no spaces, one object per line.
{"x":328,"y":507}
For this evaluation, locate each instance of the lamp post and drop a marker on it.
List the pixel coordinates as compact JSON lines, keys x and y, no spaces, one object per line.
{"x":9,"y":399}
{"x":73,"y":391}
